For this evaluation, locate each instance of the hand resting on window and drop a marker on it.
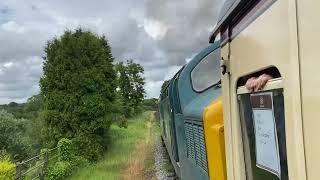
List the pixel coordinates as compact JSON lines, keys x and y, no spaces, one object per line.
{"x":257,"y":83}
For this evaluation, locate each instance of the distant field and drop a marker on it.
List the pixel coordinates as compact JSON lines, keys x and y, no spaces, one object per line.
{"x":122,"y":160}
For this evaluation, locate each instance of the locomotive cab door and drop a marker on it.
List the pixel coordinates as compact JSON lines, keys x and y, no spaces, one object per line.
{"x":175,"y":111}
{"x":263,"y":129}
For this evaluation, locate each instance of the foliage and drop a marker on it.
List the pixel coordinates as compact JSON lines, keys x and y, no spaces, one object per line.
{"x":14,"y":108}
{"x":78,"y":89}
{"x":67,"y":162}
{"x":7,"y":168}
{"x":14,"y":136}
{"x":131,"y":87}
{"x":164,"y":86}
{"x":67,"y":152}
{"x":30,"y":113}
{"x":60,"y":170}
{"x":29,"y":110}
{"x":64,"y":149}
{"x":33,"y":107}
{"x":150,"y":104}
{"x":124,"y":141}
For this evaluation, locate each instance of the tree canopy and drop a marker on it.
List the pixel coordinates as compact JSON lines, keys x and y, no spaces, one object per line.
{"x":131,"y":87}
{"x":14,"y":136}
{"x":78,"y":88}
{"x":150,"y":104}
{"x":164,"y":85}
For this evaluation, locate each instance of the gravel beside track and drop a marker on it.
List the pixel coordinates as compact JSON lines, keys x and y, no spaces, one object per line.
{"x":162,"y":160}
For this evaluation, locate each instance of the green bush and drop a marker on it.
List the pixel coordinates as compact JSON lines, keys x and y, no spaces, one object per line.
{"x":65,"y":149}
{"x":89,"y":147}
{"x":7,"y":168}
{"x":67,"y":152}
{"x":79,"y":161}
{"x":63,"y":169}
{"x":60,"y":170}
{"x":14,"y":137}
{"x":122,"y":122}
{"x":68,"y":161}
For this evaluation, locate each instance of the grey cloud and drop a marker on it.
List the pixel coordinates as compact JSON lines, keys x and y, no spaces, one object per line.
{"x":4,"y":14}
{"x":20,"y":80}
{"x":189,"y":22}
{"x":156,"y":74}
{"x":18,"y":46}
{"x":188,"y":25}
{"x":34,"y":22}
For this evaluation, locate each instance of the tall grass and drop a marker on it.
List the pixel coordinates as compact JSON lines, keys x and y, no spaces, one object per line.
{"x":123,"y":144}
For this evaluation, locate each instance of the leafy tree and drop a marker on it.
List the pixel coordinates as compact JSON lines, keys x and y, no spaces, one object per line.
{"x":13,"y":104}
{"x":29,"y":110}
{"x":32,"y":112}
{"x":150,"y":104}
{"x":29,"y":113}
{"x":131,"y":87}
{"x":34,"y":103}
{"x":164,"y":85}
{"x":78,"y":89}
{"x":14,"y":108}
{"x":13,"y":137}
{"x":32,"y":107}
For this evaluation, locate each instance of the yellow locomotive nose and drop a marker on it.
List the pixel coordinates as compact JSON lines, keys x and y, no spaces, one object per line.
{"x":214,"y":138}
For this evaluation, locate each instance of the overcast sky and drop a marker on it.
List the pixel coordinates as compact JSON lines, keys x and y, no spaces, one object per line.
{"x":161,"y":35}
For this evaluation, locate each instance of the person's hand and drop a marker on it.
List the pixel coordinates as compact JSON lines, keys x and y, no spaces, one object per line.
{"x":250,"y":84}
{"x":255,"y":84}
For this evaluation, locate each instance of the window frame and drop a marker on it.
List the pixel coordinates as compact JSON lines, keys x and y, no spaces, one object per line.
{"x":176,"y":89}
{"x":190,"y":74}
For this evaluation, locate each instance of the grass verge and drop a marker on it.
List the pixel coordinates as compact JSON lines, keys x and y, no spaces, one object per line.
{"x":123,"y":150}
{"x":141,"y":164}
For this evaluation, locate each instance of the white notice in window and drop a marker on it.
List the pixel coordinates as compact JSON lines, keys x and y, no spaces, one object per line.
{"x":267,"y":151}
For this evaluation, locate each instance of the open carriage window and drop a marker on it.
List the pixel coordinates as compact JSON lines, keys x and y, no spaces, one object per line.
{"x":263,"y":135}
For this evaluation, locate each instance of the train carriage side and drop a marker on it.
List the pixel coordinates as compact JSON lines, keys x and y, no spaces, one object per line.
{"x":188,"y":101}
{"x":164,"y":115}
{"x":170,"y":107}
{"x":198,"y":85}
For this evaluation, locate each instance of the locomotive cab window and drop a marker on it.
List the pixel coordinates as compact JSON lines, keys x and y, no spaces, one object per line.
{"x":263,"y":132}
{"x":206,"y":73}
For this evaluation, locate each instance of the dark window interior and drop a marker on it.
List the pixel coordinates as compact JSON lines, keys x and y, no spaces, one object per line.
{"x":248,"y":137}
{"x":272,"y":71}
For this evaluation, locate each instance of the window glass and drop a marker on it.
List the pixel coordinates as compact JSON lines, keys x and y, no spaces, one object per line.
{"x":207,"y":72}
{"x":253,"y":171}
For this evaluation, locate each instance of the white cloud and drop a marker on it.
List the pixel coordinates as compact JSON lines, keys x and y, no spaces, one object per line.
{"x":155,"y":29}
{"x":8,"y":64}
{"x":12,"y":26}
